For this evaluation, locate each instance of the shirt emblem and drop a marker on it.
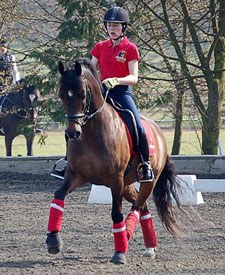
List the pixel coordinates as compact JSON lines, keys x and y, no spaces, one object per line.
{"x":121,"y":57}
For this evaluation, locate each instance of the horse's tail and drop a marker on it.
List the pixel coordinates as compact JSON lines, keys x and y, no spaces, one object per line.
{"x":163,"y":192}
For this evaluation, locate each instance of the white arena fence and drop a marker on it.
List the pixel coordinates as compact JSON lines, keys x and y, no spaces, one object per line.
{"x":190,"y":192}
{"x":198,"y":174}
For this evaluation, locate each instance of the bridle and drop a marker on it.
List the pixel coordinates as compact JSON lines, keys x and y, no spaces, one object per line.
{"x":82,"y":118}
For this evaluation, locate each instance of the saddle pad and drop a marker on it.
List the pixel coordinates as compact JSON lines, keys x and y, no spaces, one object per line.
{"x":150,"y":137}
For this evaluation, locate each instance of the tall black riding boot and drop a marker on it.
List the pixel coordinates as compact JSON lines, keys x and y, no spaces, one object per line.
{"x":145,"y":166}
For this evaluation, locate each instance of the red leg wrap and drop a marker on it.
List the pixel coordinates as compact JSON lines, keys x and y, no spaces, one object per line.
{"x":131,"y":223}
{"x":120,"y":237}
{"x":149,"y":234}
{"x":55,"y":215}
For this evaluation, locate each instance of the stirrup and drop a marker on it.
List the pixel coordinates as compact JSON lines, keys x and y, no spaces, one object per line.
{"x":146,"y":171}
{"x":59,"y":169}
{"x":60,"y":164}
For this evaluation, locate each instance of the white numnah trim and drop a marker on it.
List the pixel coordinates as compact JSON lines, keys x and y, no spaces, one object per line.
{"x":146,"y":217}
{"x":54,"y":205}
{"x":117,"y":230}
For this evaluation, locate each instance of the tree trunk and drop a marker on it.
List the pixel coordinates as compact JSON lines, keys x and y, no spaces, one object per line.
{"x":178,"y":124}
{"x":212,"y":122}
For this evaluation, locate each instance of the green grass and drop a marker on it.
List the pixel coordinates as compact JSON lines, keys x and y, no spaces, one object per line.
{"x":55,"y":144}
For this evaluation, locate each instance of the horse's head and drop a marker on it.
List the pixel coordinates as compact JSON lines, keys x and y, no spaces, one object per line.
{"x":75,"y":93}
{"x":30,"y":101}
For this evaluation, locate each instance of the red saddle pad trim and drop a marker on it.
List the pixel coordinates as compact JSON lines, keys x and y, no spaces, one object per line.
{"x":150,"y":137}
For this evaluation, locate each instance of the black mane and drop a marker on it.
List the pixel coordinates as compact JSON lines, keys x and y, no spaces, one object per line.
{"x":87,"y":63}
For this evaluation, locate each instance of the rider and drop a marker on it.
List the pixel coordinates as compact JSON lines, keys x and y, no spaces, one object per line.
{"x":117,"y":59}
{"x":8,"y":69}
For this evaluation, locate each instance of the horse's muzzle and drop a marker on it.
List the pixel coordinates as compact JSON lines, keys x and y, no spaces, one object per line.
{"x":74,"y":127}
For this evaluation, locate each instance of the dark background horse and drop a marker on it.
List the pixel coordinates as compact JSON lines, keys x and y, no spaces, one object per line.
{"x":18,"y":115}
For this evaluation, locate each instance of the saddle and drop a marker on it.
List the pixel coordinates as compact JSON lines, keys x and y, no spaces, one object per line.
{"x":131,"y":128}
{"x":130,"y":123}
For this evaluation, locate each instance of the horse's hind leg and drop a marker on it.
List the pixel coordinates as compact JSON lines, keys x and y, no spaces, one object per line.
{"x":130,"y":194}
{"x":148,"y":230}
{"x":149,"y":234}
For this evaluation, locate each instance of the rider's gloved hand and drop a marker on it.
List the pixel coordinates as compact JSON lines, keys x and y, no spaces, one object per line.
{"x":110,"y":83}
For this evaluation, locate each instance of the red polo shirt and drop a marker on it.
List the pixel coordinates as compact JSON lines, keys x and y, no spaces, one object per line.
{"x":113,"y":60}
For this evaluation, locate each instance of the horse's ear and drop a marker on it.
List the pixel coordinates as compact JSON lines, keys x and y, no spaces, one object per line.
{"x":78,"y":68}
{"x":61,"y":67}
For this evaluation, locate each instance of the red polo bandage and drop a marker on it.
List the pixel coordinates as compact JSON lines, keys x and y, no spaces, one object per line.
{"x":149,"y":234}
{"x":131,"y":223}
{"x":120,"y":237}
{"x":55,"y":215}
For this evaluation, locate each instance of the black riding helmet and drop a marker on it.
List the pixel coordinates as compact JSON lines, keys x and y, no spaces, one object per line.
{"x":117,"y":14}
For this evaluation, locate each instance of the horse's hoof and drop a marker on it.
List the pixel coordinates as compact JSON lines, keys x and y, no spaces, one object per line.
{"x":118,"y":258}
{"x":149,"y":252}
{"x":54,"y":243}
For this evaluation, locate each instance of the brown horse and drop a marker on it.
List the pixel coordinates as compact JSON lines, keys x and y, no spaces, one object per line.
{"x":99,"y":152}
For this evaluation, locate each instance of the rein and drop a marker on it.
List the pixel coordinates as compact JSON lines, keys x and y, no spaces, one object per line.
{"x":14,"y":110}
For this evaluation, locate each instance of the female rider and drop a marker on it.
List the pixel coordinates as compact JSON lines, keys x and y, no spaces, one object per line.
{"x":117,"y":61}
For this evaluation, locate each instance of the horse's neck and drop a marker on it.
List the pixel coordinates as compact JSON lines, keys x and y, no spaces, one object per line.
{"x":15,"y":99}
{"x":104,"y":117}
{"x":97,"y":103}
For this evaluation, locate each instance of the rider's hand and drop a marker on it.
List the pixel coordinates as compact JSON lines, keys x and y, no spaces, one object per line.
{"x":110,"y":83}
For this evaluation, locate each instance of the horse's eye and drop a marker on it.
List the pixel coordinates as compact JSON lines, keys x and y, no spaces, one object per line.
{"x":83,"y":96}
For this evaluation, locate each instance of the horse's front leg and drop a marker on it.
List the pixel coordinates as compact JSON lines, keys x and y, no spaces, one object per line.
{"x":54,"y":241}
{"x":119,"y":229}
{"x":8,"y":144}
{"x":29,"y":144}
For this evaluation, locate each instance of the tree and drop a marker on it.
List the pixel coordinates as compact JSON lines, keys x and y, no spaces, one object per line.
{"x":201,"y":63}
{"x":211,"y":111}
